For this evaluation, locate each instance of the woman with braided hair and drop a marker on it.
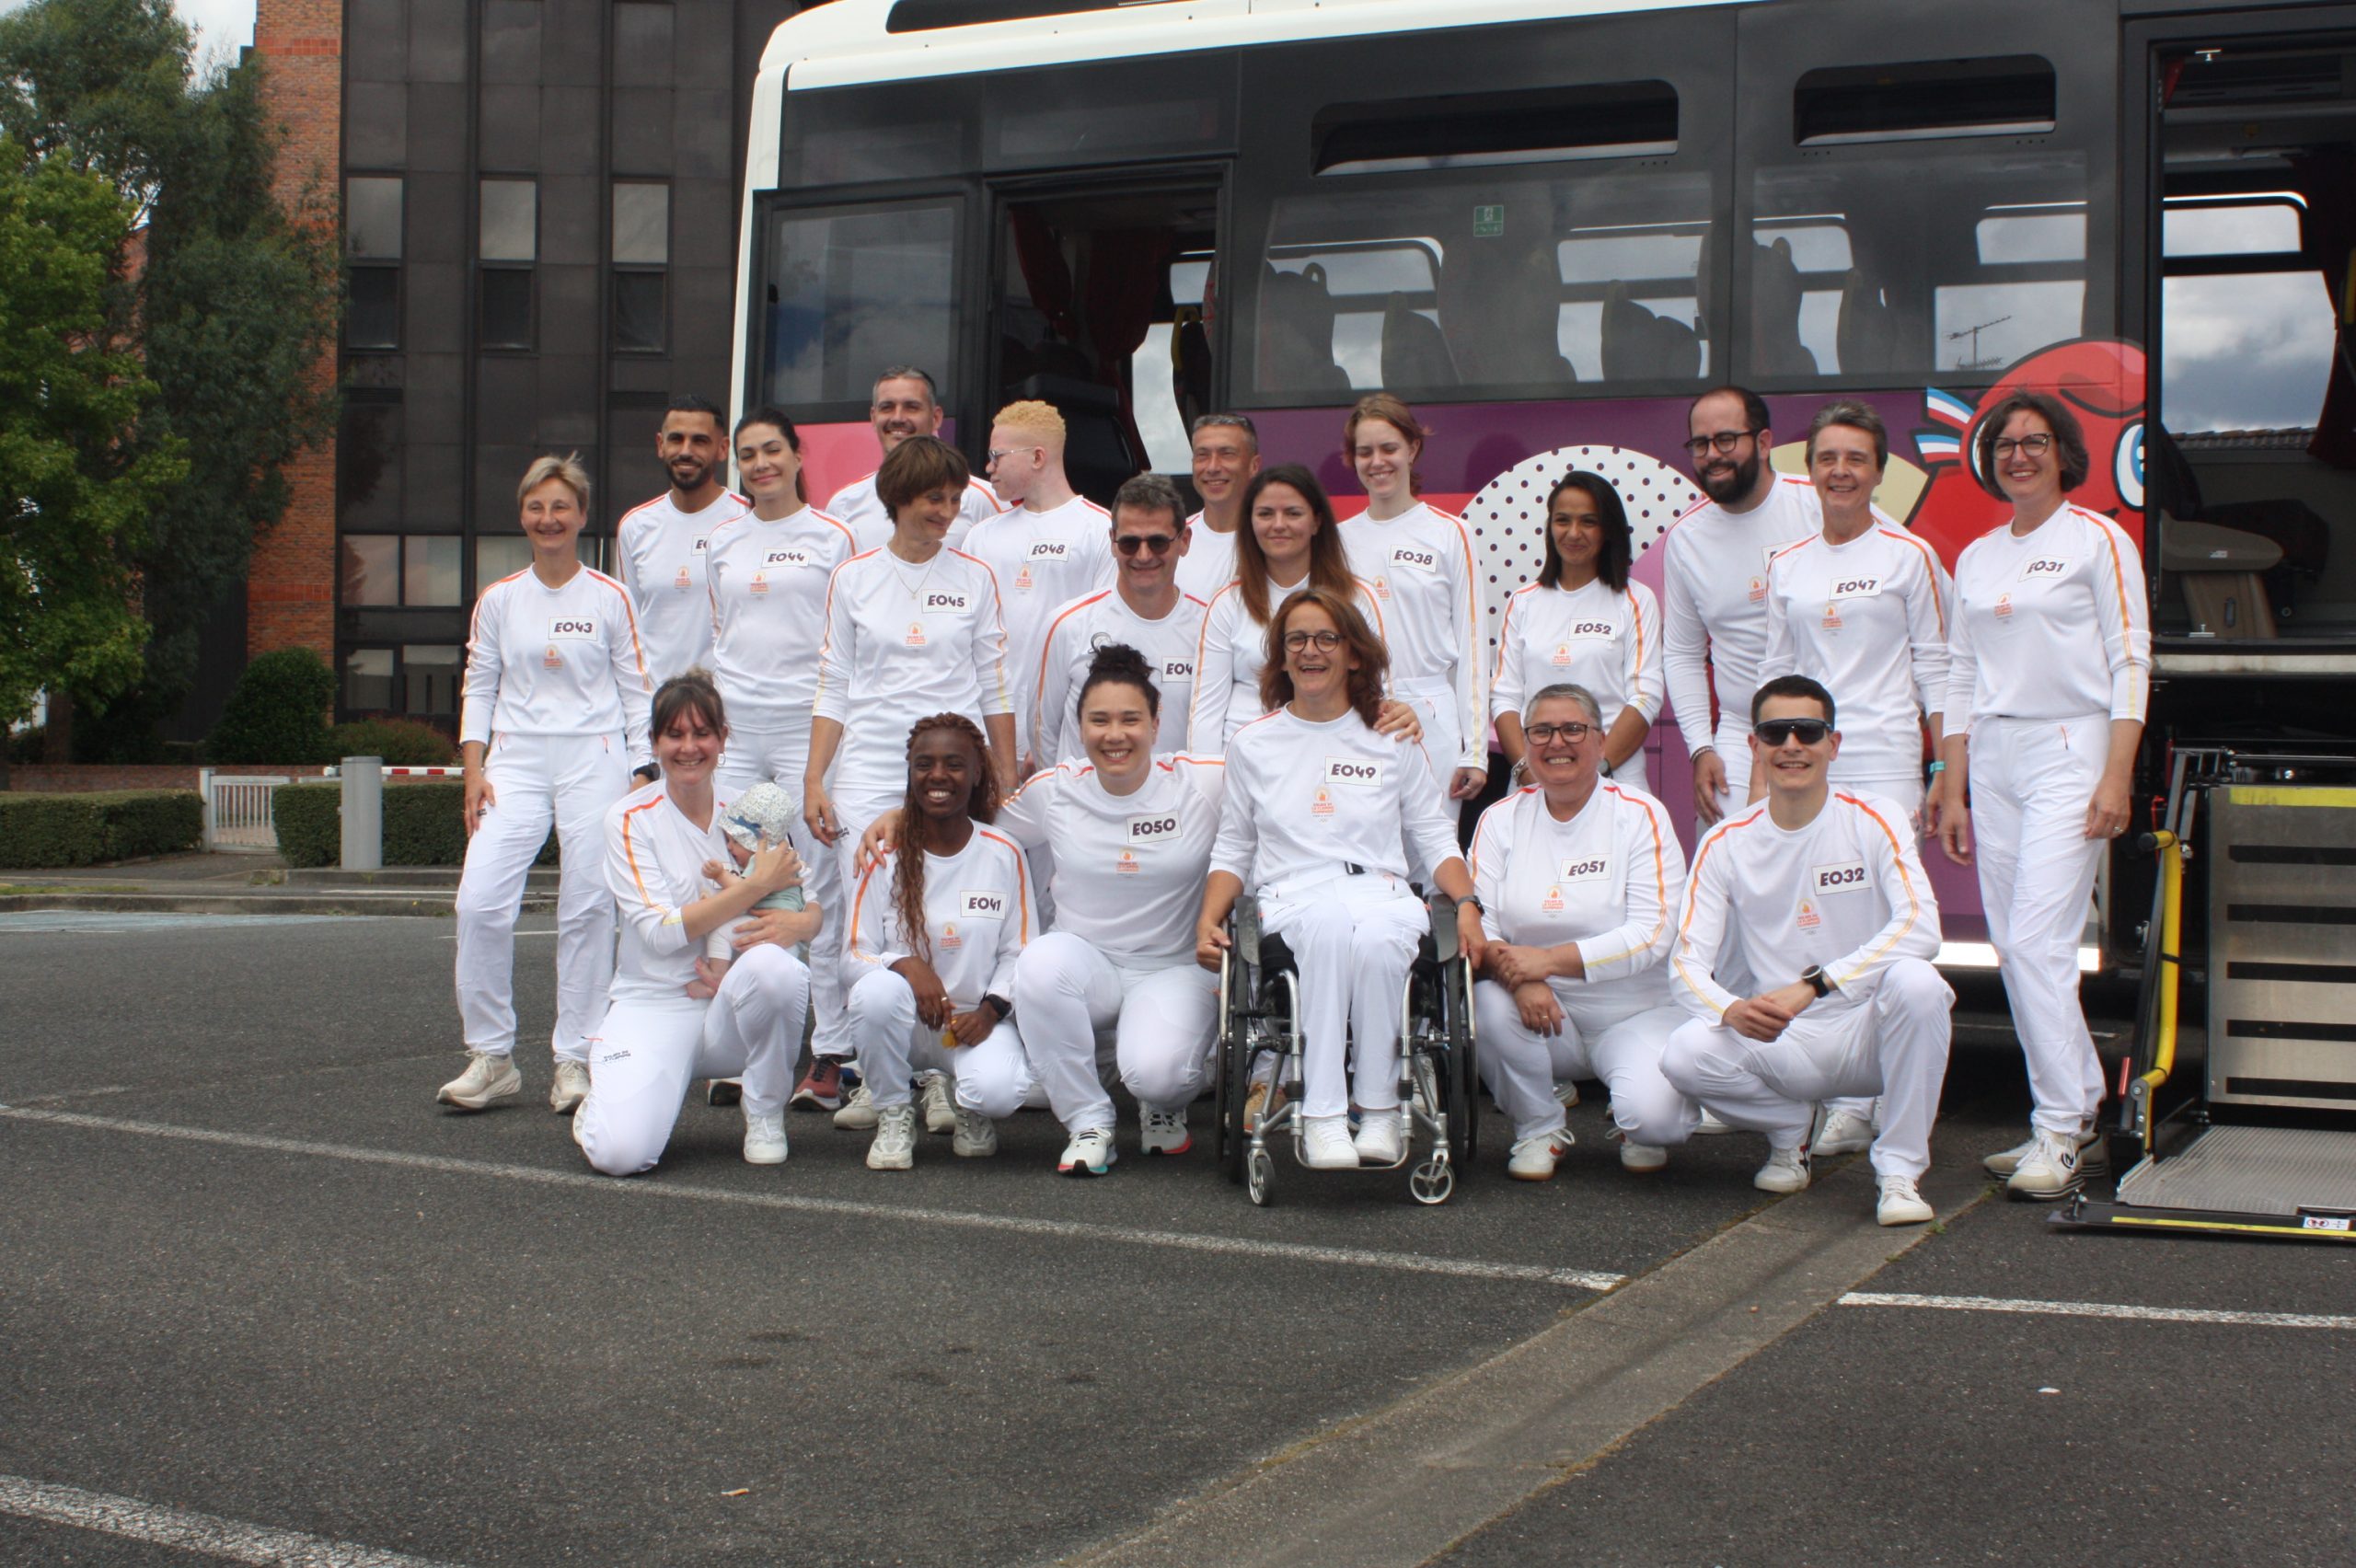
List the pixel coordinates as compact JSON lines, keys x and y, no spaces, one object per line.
{"x":933,"y":938}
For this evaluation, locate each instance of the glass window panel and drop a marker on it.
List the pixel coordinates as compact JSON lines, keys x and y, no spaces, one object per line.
{"x":642,"y":224}
{"x":1488,"y":284}
{"x":498,"y":556}
{"x":639,"y":310}
{"x":1963,"y":260}
{"x":368,"y":680}
{"x":2227,"y":229}
{"x":368,"y":463}
{"x":506,"y":316}
{"x":431,"y":564}
{"x":371,"y":313}
{"x":850,"y":291}
{"x":371,"y":570}
{"x":431,"y":676}
{"x":2249,"y":351}
{"x":510,"y":220}
{"x":372,"y":218}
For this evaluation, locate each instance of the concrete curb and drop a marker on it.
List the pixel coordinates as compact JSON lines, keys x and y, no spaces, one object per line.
{"x":264,"y":901}
{"x":1401,"y":1487}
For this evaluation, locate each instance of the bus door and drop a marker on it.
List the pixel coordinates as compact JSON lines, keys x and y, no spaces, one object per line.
{"x":1102,"y":301}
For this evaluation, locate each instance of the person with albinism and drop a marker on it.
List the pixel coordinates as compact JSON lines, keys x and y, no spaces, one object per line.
{"x":1804,"y":953}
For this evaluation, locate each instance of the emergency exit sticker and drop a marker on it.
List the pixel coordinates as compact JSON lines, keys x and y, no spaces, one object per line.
{"x":1488,"y":222}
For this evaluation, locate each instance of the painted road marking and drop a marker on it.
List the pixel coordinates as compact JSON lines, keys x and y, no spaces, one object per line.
{"x":100,"y":922}
{"x":2102,"y":1309}
{"x":135,"y":1520}
{"x":1062,"y":1229}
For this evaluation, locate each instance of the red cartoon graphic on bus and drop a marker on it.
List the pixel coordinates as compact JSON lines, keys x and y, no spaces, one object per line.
{"x":2102,"y":381}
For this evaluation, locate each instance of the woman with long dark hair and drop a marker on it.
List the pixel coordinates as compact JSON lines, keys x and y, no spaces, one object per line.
{"x":934,"y":934}
{"x":1583,"y":623}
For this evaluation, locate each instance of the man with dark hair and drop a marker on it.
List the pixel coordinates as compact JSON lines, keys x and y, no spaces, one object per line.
{"x":1226,"y":454}
{"x":906,"y":403}
{"x":659,"y":547}
{"x":1804,"y":953}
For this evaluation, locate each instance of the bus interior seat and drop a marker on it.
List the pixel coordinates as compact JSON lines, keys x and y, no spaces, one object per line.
{"x":1640,"y":346}
{"x":1775,"y":346}
{"x":1415,"y":350}
{"x":1867,"y":331}
{"x":1498,"y":307}
{"x":1097,"y":457}
{"x":1296,"y":348}
{"x":2302,"y":538}
{"x":2221,"y":572}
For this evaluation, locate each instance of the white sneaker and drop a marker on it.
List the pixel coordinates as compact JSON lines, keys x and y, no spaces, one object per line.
{"x":764,"y":1137}
{"x":1378,"y":1139}
{"x":2049,"y":1170}
{"x":940,"y":1109}
{"x":1785,"y":1171}
{"x":571,"y":1088}
{"x":895,"y":1147}
{"x":2093,"y":1154}
{"x":1090,"y":1153}
{"x":1710,"y":1126}
{"x":858,"y":1114}
{"x":1900,"y":1204}
{"x":1844,"y":1132}
{"x":977,"y":1135}
{"x":1325,"y":1144}
{"x":490,"y":1076}
{"x":1567,"y":1092}
{"x":1533,"y":1159}
{"x":1643,"y":1159}
{"x":1164,"y":1132}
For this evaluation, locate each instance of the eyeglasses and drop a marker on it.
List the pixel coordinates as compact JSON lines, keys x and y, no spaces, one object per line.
{"x":1545,"y":735}
{"x":2003,"y":446}
{"x":995,"y":454}
{"x":1781,"y":731}
{"x":1152,"y":544}
{"x":1325,"y":641}
{"x":1724,"y":441}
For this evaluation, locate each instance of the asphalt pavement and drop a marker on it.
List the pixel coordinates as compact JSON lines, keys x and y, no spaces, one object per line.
{"x":251,"y":1275}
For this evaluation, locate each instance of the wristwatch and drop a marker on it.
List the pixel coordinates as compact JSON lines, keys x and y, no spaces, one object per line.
{"x":647,"y":771}
{"x":1472,"y":901}
{"x":1817,"y":980}
{"x":998,"y":1005}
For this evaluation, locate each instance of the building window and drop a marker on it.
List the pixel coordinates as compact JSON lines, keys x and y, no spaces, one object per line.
{"x":371,"y":247}
{"x":368,"y":680}
{"x":508,"y":244}
{"x":641,"y":247}
{"x":419,"y":570}
{"x":505,"y":555}
{"x":431,"y":676}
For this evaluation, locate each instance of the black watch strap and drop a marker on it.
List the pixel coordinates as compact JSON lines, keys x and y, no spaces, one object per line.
{"x":1816,"y":981}
{"x":998,"y":1005}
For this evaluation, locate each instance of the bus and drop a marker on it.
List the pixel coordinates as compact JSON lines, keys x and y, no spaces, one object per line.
{"x":1548,"y":224}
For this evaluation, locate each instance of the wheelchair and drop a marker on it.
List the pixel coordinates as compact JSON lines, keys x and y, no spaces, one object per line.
{"x":1259,"y":1020}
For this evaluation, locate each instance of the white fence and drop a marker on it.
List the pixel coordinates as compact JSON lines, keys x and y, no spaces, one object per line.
{"x":237,"y":810}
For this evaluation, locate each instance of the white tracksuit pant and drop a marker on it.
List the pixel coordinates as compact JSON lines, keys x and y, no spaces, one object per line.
{"x":2032,"y":779}
{"x":855,"y":812}
{"x":642,"y":1059}
{"x":993,"y":1077}
{"x":1893,"y":1044}
{"x":1355,"y":940}
{"x":536,"y":781}
{"x":1165,"y":1023}
{"x":1621,"y":1043}
{"x":780,"y":756}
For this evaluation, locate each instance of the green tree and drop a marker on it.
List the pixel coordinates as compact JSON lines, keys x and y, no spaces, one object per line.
{"x":235,"y":305}
{"x":79,"y":471}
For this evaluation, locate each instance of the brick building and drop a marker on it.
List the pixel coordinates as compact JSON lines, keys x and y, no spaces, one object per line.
{"x":540,"y":201}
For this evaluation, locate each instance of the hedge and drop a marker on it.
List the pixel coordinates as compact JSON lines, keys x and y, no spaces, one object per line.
{"x":403,"y":742}
{"x":422,"y":826}
{"x":44,"y":831}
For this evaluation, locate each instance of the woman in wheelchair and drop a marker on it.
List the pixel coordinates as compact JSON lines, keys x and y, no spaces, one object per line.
{"x":1322,"y":814}
{"x":1578,"y":877}
{"x":929,"y":960}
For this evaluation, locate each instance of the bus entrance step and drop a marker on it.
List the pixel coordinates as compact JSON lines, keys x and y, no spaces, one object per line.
{"x":2277,"y":1170}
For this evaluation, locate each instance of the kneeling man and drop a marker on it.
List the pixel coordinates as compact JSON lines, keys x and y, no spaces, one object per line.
{"x":1804,"y":952}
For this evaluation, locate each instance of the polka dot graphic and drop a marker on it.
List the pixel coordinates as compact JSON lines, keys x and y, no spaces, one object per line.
{"x":1508,"y":518}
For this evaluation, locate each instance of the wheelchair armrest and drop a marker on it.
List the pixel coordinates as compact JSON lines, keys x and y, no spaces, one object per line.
{"x":1243,"y":927}
{"x":1441,"y":938}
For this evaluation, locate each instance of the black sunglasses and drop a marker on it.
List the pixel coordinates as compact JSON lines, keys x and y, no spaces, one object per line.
{"x":1152,"y":544}
{"x":1777,"y":731}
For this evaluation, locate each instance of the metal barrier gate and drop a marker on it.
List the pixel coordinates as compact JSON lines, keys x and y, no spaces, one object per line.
{"x":237,"y":810}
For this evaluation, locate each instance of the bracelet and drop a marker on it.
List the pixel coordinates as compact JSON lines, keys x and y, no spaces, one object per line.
{"x":1937,"y":769}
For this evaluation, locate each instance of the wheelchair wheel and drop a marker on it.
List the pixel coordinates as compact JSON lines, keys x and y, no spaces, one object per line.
{"x":1234,"y":1090}
{"x":1260,"y":1177}
{"x":1431,"y":1182}
{"x":1461,"y":1072}
{"x":1228,"y":1149}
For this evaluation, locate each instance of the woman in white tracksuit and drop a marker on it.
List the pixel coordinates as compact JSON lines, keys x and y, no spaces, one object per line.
{"x":678,"y":1014}
{"x":1323,"y":817}
{"x":554,"y":721}
{"x":767,"y":573}
{"x":1583,"y":624}
{"x":1578,"y":877}
{"x":2050,"y":669}
{"x":1419,"y":559}
{"x":935,"y":932}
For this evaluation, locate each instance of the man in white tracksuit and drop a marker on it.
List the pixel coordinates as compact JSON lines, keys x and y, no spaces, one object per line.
{"x":1803,"y":954}
{"x":660,"y":546}
{"x":906,"y":403}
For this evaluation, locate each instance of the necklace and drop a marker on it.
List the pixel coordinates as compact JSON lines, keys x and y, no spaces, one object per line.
{"x":922,"y":577}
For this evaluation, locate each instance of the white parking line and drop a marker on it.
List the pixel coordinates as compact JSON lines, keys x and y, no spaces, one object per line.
{"x":1064,"y":1230}
{"x":2102,"y":1309}
{"x":190,"y":1531}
